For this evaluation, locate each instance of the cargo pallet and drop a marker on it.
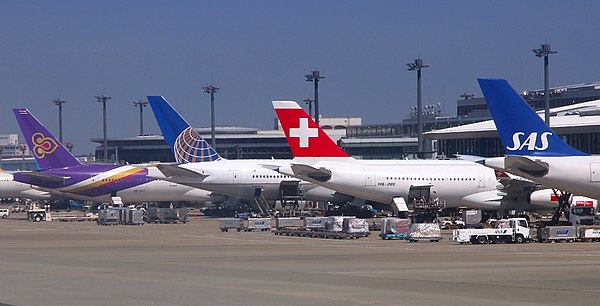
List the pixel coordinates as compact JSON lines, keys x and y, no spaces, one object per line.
{"x":319,"y":234}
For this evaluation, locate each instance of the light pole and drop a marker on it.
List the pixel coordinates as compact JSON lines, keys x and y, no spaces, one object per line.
{"x":544,"y":51}
{"x":59,"y":102}
{"x":141,"y":104}
{"x":212,"y":90}
{"x":102,"y":99}
{"x":417,"y":66}
{"x":310,"y":102}
{"x":315,"y":77}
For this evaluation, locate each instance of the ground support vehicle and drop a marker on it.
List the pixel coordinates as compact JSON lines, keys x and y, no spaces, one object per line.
{"x":108,"y":217}
{"x":580,"y":226}
{"x":134,"y":217}
{"x":4,"y":213}
{"x":166,"y":215}
{"x":73,"y":216}
{"x":37,"y":215}
{"x":571,"y":233}
{"x":589,"y":233}
{"x":225,"y":224}
{"x":557,"y":234}
{"x":509,"y":230}
{"x":336,"y":227}
{"x":425,"y":217}
{"x":288,"y":223}
{"x":394,"y":228}
{"x":256,"y":224}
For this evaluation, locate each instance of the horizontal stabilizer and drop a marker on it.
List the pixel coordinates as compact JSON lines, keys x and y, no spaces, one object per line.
{"x":317,"y":174}
{"x":176,"y":171}
{"x":526,"y":165}
{"x":471,"y":158}
{"x":45,"y":177}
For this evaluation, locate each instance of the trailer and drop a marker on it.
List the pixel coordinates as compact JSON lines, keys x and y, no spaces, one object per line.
{"x":256,"y":224}
{"x":166,"y":215}
{"x":134,"y":217}
{"x":515,"y":230}
{"x":336,"y":227}
{"x":394,"y":228}
{"x":108,"y":217}
{"x":589,"y":233}
{"x":225,"y":224}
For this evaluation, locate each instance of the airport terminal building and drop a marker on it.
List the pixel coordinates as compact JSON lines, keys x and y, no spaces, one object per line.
{"x":575,"y":116}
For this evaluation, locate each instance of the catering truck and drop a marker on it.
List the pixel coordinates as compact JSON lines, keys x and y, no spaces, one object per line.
{"x":513,"y":230}
{"x":580,"y":227}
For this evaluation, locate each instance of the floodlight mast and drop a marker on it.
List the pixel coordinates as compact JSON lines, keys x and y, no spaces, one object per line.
{"x":310,"y":102}
{"x":103,"y":99}
{"x":417,"y":66}
{"x":314,"y":77}
{"x":59,"y":103}
{"x":141,"y":104}
{"x":210,"y":89}
{"x":544,"y":52}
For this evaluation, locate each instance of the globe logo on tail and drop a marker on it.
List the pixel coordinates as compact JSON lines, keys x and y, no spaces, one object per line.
{"x":189,"y":147}
{"x":42,"y":145}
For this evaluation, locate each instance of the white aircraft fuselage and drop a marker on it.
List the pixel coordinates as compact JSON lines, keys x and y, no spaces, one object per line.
{"x":10,"y":188}
{"x":382,"y":181}
{"x":242,"y":178}
{"x":576,"y":174}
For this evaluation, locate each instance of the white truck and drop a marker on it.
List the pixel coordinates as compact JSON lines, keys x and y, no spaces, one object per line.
{"x":510,"y":230}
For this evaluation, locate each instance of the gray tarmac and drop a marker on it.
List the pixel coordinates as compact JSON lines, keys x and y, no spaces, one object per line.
{"x":81,"y":263}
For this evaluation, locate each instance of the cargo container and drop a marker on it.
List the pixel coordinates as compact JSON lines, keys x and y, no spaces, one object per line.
{"x":281,"y":223}
{"x":225,"y":224}
{"x":257,"y":224}
{"x":315,"y":222}
{"x":394,"y":228}
{"x":108,"y":217}
{"x":135,"y":217}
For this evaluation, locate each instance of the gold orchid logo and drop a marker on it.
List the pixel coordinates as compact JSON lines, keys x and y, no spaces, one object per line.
{"x":42,"y":145}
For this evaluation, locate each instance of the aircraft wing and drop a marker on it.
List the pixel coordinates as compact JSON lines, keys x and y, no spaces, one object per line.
{"x":44,"y":176}
{"x":310,"y":172}
{"x":526,"y":165}
{"x":171,"y":171}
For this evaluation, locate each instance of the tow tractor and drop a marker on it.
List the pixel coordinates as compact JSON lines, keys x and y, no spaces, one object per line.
{"x":38,"y":214}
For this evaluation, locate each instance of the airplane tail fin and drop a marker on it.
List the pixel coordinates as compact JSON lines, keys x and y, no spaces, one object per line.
{"x":47,"y":151}
{"x":185,"y":142}
{"x":521,"y":130}
{"x":304,"y":136}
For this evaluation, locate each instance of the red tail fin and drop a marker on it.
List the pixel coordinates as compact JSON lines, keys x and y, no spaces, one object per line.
{"x":305,"y":137}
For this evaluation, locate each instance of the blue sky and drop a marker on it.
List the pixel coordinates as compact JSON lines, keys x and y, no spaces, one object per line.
{"x":258,"y":51}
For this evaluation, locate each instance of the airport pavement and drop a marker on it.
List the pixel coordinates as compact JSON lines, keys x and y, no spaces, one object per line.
{"x":62,"y":263}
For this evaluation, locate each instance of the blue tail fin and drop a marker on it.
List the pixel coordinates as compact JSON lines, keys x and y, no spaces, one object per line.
{"x":186,"y":144}
{"x":48,"y":152}
{"x":521,"y":130}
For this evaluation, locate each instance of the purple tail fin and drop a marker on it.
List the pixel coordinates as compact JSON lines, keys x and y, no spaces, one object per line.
{"x":48,"y":152}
